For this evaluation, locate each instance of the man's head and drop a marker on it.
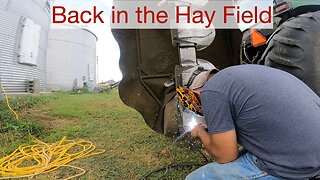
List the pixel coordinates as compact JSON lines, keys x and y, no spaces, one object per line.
{"x":199,"y":75}
{"x":194,"y":79}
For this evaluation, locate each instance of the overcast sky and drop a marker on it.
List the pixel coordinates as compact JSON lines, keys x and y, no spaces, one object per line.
{"x":107,"y":48}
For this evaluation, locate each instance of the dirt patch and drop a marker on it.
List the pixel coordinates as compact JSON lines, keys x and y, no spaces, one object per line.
{"x":43,"y":117}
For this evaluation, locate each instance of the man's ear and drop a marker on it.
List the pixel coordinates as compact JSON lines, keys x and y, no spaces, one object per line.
{"x":197,"y":90}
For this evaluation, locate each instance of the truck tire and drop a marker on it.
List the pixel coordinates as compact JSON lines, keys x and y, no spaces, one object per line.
{"x":295,"y":48}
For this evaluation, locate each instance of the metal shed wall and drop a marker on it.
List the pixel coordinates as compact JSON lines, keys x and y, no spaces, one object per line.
{"x":71,"y":53}
{"x":13,"y":14}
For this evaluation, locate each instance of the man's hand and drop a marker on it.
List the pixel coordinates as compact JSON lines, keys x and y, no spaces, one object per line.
{"x":198,"y":130}
{"x":222,"y":147}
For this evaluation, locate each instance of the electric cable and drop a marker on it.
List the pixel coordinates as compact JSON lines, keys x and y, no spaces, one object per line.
{"x":171,"y":166}
{"x":44,"y":158}
{"x":40,"y":157}
{"x":177,"y":166}
{"x":7,"y":101}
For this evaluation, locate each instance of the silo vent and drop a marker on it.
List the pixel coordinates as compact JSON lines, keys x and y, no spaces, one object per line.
{"x":33,"y":86}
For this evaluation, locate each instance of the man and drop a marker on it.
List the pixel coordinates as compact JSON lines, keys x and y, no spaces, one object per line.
{"x":271,"y":113}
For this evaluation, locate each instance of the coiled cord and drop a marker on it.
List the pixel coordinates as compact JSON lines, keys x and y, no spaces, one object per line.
{"x":39,"y":158}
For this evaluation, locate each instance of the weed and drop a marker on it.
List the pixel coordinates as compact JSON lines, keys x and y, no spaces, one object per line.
{"x":27,"y":102}
{"x":13,"y":131}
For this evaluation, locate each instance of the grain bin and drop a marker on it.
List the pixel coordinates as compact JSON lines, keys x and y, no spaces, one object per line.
{"x":71,"y":58}
{"x":24,"y":28}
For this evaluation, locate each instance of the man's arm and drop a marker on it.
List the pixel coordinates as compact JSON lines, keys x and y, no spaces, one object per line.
{"x":222,"y":147}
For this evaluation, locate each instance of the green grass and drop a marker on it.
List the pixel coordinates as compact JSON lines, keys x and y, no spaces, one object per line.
{"x":14,"y":132}
{"x":132,"y":148}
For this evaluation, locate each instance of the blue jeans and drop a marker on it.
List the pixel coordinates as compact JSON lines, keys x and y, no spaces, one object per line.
{"x":242,"y":168}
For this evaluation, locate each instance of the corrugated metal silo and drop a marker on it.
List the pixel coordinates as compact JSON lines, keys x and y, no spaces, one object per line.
{"x":71,"y":58}
{"x":24,"y":28}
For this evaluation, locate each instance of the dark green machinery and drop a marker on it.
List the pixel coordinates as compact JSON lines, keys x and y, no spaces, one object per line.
{"x":294,"y":43}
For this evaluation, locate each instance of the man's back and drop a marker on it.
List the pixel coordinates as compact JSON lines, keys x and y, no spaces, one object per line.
{"x":276,"y":116}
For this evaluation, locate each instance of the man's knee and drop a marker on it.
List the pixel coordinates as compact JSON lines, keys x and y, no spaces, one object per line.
{"x":191,"y":176}
{"x":209,"y":171}
{"x":200,"y":173}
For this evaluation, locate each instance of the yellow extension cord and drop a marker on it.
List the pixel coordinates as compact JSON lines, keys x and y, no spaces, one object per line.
{"x":39,"y":158}
{"x":7,"y":101}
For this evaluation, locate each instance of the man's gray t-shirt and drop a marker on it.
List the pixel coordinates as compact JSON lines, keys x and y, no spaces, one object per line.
{"x":276,"y":117}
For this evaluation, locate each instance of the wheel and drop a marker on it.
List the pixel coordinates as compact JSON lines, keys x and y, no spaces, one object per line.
{"x":295,"y":47}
